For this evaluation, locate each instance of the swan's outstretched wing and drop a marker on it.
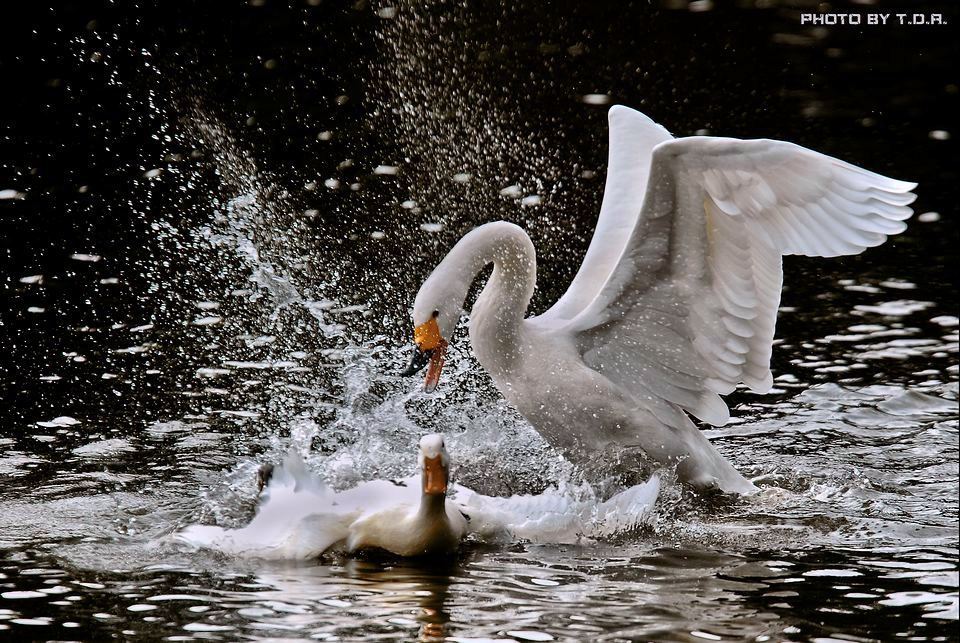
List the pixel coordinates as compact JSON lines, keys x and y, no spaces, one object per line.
{"x":632,"y":139}
{"x":689,"y":311}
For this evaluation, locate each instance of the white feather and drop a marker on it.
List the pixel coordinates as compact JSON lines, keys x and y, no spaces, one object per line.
{"x":676,"y":300}
{"x":556,"y":517}
{"x":717,"y":216}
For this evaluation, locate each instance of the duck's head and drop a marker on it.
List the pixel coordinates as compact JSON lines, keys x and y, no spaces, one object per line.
{"x":434,"y":465}
{"x":435,"y":315}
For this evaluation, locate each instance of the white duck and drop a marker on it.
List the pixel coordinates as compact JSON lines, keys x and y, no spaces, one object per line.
{"x":299,"y":517}
{"x":434,"y":526}
{"x":676,"y":300}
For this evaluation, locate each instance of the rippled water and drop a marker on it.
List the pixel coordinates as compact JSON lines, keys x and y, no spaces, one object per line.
{"x":196,"y":285}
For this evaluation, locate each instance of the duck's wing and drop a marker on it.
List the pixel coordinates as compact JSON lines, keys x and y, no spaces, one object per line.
{"x":376,"y":495}
{"x":304,"y":537}
{"x":632,"y":139}
{"x":554,"y":517}
{"x":627,"y":510}
{"x":549,"y":515}
{"x":690,"y":307}
{"x":298,"y":518}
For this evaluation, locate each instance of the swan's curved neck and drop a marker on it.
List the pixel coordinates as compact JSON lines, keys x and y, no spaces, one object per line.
{"x":503,"y":302}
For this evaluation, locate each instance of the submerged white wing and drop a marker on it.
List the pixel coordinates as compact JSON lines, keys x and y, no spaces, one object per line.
{"x":689,"y":310}
{"x":632,"y":139}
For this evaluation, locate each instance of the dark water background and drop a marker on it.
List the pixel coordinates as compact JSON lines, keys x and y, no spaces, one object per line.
{"x":203,"y":267}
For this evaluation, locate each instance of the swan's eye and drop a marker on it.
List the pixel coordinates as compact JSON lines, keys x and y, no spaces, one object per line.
{"x":436,"y":313}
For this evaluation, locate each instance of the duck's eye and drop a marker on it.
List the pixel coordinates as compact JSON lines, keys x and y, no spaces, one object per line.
{"x":436,"y":313}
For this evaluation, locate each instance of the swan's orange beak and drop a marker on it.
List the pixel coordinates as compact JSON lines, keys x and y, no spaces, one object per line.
{"x":431,"y":348}
{"x":436,"y":365}
{"x":434,"y":476}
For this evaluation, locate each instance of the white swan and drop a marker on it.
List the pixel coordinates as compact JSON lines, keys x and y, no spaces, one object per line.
{"x":299,"y":517}
{"x":676,"y":299}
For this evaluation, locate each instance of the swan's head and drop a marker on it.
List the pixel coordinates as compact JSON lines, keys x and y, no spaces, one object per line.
{"x":434,"y":465}
{"x":436,"y":312}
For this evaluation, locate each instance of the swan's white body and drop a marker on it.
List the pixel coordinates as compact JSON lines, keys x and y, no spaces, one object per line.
{"x":677,"y":297}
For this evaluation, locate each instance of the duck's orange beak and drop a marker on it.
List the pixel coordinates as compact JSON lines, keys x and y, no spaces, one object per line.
{"x":434,"y":476}
{"x":431,"y":348}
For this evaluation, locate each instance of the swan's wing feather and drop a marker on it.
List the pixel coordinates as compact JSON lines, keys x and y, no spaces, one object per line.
{"x":632,"y":139}
{"x":689,"y":311}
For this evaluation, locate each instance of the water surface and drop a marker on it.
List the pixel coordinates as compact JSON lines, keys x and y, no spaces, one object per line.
{"x":214,"y":228}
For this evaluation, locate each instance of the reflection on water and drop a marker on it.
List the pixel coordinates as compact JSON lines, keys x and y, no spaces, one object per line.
{"x":524,"y":593}
{"x":238,"y":286}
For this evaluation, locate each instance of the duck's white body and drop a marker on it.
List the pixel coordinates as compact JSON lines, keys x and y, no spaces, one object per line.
{"x":677,"y":297}
{"x":434,"y":527}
